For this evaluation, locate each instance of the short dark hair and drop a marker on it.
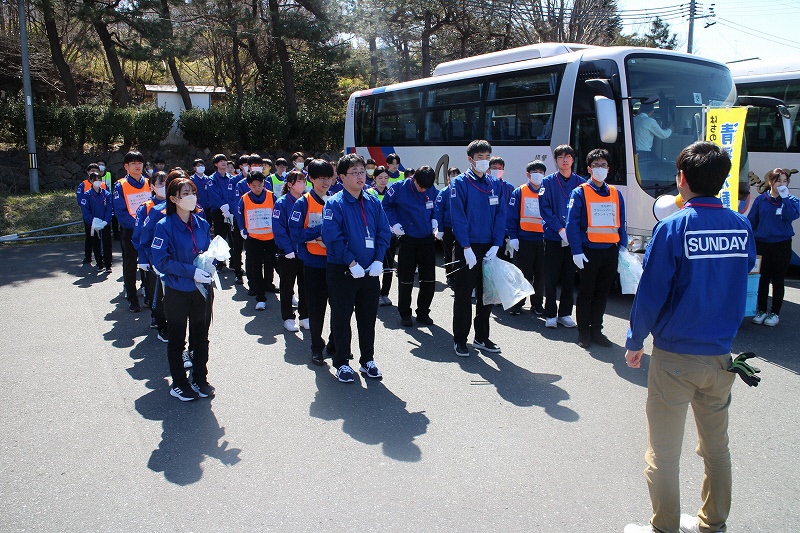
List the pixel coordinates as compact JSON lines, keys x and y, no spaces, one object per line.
{"x":93,"y":166}
{"x":705,"y":166}
{"x":646,"y":108}
{"x":281,"y":161}
{"x":536,"y":164}
{"x":370,"y":161}
{"x":597,"y":153}
{"x":198,"y":162}
{"x":255,"y":176}
{"x":408,"y":172}
{"x":380,"y":170}
{"x":133,"y":157}
{"x":425,"y":176}
{"x":453,"y":170}
{"x":319,"y":168}
{"x":94,"y":176}
{"x":478,"y":146}
{"x":391,"y":158}
{"x":346,"y":162}
{"x":174,"y":189}
{"x":220,"y":157}
{"x":174,"y":174}
{"x":496,"y":159}
{"x":154,"y":177}
{"x":158,"y":160}
{"x":298,"y":154}
{"x":253,"y":158}
{"x":563,"y":149}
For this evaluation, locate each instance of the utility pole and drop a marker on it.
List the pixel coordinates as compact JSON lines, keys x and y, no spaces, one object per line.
{"x":33,"y":171}
{"x":692,"y":12}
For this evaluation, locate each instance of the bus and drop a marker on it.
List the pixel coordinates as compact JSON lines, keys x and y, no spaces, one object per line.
{"x":526,"y":101}
{"x":766,"y":139}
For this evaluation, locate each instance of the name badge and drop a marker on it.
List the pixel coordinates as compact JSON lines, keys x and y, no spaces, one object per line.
{"x":370,"y":242}
{"x":429,"y":204}
{"x":494,"y":200}
{"x":779,"y":211}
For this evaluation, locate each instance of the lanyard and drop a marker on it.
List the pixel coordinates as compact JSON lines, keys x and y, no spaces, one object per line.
{"x":774,"y":201}
{"x":561,"y":185}
{"x":698,"y":204}
{"x":101,"y":201}
{"x":195,"y":249}
{"x":363,"y":213}
{"x":417,"y":194}
{"x":490,"y":191}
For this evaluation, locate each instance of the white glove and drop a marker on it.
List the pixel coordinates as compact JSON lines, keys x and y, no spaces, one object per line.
{"x":492,"y":252}
{"x":439,"y":235}
{"x":375,"y":269}
{"x":226,"y":210}
{"x":513,"y":244}
{"x":579,"y":260}
{"x":243,"y":233}
{"x":143,"y":266}
{"x":357,"y":271}
{"x":397,"y":229}
{"x":563,"y":234}
{"x":469,"y":257}
{"x":289,"y":256}
{"x":783,"y":190}
{"x":201,"y":276}
{"x":435,"y":225}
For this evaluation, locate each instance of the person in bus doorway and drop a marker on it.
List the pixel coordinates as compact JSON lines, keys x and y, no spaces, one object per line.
{"x":379,"y":187}
{"x":444,"y":222}
{"x":179,"y":238}
{"x":479,"y":220}
{"x":497,"y":168}
{"x":645,"y":130}
{"x":692,"y":299}
{"x":96,"y":204}
{"x":129,"y":193}
{"x":80,"y":196}
{"x":393,"y":167}
{"x":771,"y":216}
{"x":255,"y":218}
{"x":525,"y":234}
{"x":409,"y":209}
{"x":558,"y":264}
{"x":356,"y":233}
{"x":596,"y":232}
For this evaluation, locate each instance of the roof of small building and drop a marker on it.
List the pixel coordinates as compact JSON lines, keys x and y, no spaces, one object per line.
{"x":191,"y":88}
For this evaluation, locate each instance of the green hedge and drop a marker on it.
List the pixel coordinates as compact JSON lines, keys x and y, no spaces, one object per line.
{"x":144,"y":126}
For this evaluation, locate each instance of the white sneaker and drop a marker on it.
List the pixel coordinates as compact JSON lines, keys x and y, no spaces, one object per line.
{"x":690,"y":524}
{"x":290,"y":325}
{"x":295,"y":301}
{"x":567,"y":321}
{"x":304,"y":324}
{"x":772,"y":320}
{"x":760,"y":317}
{"x":551,"y":322}
{"x":260,"y":306}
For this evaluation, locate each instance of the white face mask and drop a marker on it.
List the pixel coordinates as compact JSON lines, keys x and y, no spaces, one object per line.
{"x":160,"y":191}
{"x":482,"y":166}
{"x":245,"y":168}
{"x":201,"y":170}
{"x":370,"y":172}
{"x":600,"y":174}
{"x":498,"y":173}
{"x":257,"y":169}
{"x":283,"y":174}
{"x":299,"y":166}
{"x":97,"y":184}
{"x":536,"y":178}
{"x":102,"y":168}
{"x":188,"y":203}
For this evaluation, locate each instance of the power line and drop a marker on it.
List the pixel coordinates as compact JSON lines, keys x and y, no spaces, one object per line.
{"x":749,"y":31}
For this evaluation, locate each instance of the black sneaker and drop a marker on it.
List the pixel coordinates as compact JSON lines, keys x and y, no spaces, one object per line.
{"x":251,"y":292}
{"x":538,"y":309}
{"x":406,"y":321}
{"x":424,"y":320}
{"x":273,"y":289}
{"x":486,"y":346}
{"x":134,"y":308}
{"x":204,"y":390}
{"x":100,"y":269}
{"x":162,"y":335}
{"x":345,"y":374}
{"x":108,"y":270}
{"x":330,"y":349}
{"x":184,"y":394}
{"x":187,"y":359}
{"x":87,"y":261}
{"x":584,"y":340}
{"x":317,"y":358}
{"x":602,"y":340}
{"x":153,"y":323}
{"x":461,"y":349}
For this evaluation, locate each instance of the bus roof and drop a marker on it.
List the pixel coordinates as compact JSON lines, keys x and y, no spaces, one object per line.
{"x":504,"y":57}
{"x":764,"y":69}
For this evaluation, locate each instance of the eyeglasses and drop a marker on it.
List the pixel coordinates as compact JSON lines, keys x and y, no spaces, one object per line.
{"x":600,"y":165}
{"x":357,"y":173}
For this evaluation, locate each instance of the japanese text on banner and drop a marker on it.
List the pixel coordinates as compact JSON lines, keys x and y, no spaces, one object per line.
{"x":725,"y":127}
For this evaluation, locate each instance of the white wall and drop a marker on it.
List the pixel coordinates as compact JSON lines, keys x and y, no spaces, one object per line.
{"x":173,"y":102}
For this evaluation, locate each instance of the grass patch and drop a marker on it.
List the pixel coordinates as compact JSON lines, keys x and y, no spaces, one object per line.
{"x":26,"y":212}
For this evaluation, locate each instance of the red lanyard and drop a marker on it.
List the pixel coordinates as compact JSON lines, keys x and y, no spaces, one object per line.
{"x":561,"y":186}
{"x":363,"y":213}
{"x":774,"y":201}
{"x":417,"y":194}
{"x":490,"y":191}
{"x":195,"y":249}
{"x":697,"y":204}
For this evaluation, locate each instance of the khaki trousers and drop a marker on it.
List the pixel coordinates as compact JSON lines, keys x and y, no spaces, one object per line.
{"x":674,"y":381}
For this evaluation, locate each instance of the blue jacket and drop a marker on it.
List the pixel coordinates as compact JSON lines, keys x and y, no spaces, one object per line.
{"x":578,"y":222}
{"x":769,"y":226}
{"x":693,"y":290}
{"x":175,"y":246}
{"x":239,"y":209}
{"x":477,"y":210}
{"x":335,"y":187}
{"x":300,"y":235}
{"x":280,"y":223}
{"x":222,"y":190}
{"x":553,"y":197}
{"x":136,"y":238}
{"x":146,"y":229}
{"x":125,"y":219}
{"x":441,"y":209}
{"x":202,"y":182}
{"x":95,"y":205}
{"x":344,"y":231}
{"x":412,"y":209}
{"x":512,"y":218}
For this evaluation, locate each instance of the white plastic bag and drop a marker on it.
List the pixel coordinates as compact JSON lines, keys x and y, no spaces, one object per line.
{"x":218,"y":250}
{"x":503,"y":283}
{"x":630,"y":271}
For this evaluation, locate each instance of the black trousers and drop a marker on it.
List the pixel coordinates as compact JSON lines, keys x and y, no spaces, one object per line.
{"x":464,"y":281}
{"x":87,"y":242}
{"x":558,"y":266}
{"x":530,"y":260}
{"x":101,"y":245}
{"x":775,"y":259}
{"x":388,"y":266}
{"x":237,"y":245}
{"x":155,"y":295}
{"x":349,"y":294}
{"x":260,"y":254}
{"x":448,"y":240}
{"x":114,"y":227}
{"x":316,"y":281}
{"x":416,"y":254}
{"x":597,"y":278}
{"x":291,"y":270}
{"x":130,"y":258}
{"x":181,"y":308}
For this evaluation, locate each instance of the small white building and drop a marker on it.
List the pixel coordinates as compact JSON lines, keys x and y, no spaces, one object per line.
{"x":167,"y":97}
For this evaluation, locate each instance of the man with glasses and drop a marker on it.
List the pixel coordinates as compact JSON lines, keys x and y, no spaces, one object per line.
{"x":596,"y":232}
{"x":553,"y":197}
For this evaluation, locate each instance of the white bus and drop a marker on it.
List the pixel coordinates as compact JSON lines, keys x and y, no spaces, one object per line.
{"x":528,"y":100}
{"x":766,"y":139}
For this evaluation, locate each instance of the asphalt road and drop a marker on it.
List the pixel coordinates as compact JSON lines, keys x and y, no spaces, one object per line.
{"x":543,"y":437}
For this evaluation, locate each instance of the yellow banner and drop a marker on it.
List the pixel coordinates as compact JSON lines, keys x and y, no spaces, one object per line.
{"x":725,"y":127}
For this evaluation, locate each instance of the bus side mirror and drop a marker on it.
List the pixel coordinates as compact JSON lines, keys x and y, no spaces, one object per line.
{"x":606,"y":112}
{"x":786,"y":118}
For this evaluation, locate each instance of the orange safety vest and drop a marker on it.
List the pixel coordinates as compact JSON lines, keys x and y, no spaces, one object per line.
{"x":134,"y":197}
{"x":148,"y":205}
{"x":258,"y":217}
{"x":602,"y":213}
{"x":88,"y":185}
{"x":529,"y":217}
{"x":315,"y":247}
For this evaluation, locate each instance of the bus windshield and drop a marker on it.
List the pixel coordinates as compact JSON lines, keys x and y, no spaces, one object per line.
{"x":666,"y":99}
